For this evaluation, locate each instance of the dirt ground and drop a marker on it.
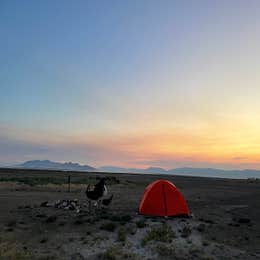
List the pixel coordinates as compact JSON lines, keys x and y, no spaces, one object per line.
{"x":225,"y":222}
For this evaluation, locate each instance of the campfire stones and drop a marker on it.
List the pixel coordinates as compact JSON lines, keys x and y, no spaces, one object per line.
{"x":63,"y":204}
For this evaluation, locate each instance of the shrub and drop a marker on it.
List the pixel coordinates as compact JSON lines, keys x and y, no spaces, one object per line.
{"x":115,"y":218}
{"x":116,"y":253}
{"x":121,"y":235}
{"x":126,"y":218}
{"x":186,"y":231}
{"x":12,"y":252}
{"x":131,"y":229}
{"x":109,"y":254}
{"x":165,"y":251}
{"x":163,"y":233}
{"x":122,"y":219}
{"x":11,"y":223}
{"x":109,"y":226}
{"x":141,"y":223}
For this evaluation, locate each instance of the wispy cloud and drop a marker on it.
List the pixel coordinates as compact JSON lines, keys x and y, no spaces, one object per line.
{"x":239,"y":158}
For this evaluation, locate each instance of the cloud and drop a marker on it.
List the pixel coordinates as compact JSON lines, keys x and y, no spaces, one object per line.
{"x":239,"y":158}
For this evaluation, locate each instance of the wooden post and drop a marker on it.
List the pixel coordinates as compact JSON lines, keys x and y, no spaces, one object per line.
{"x":69,"y":183}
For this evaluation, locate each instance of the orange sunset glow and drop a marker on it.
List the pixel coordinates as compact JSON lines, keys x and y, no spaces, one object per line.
{"x":177,"y":91}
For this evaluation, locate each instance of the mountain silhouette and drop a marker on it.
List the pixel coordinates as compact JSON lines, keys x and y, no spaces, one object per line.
{"x":49,"y":165}
{"x":185,"y":171}
{"x":188,"y":171}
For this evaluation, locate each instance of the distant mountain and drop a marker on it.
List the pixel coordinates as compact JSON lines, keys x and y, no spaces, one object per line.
{"x":186,"y":171}
{"x":111,"y":169}
{"x":119,"y":169}
{"x":155,"y":170}
{"x":49,"y":165}
{"x":211,"y":172}
{"x":132,"y":170}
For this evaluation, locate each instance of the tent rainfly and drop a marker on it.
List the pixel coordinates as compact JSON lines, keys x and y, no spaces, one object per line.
{"x":162,"y":198}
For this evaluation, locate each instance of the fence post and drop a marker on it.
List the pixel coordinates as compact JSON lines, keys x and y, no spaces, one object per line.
{"x":69,"y":183}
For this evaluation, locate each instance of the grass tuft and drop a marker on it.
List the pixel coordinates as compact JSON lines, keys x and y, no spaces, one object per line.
{"x":165,"y":250}
{"x":163,"y":233}
{"x":121,"y":235}
{"x":186,"y":232}
{"x":116,"y":253}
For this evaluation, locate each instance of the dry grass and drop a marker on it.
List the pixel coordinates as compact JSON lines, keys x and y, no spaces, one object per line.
{"x":163,"y":233}
{"x":10,"y":251}
{"x":116,"y":253}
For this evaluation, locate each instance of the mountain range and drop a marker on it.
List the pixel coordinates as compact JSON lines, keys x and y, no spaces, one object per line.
{"x":156,"y":170}
{"x":49,"y":165}
{"x":186,"y":171}
{"x":189,"y":171}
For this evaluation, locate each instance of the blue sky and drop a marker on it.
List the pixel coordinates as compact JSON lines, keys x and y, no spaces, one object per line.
{"x":122,"y":82}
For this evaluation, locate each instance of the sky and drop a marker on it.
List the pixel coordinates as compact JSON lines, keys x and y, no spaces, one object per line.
{"x":131,"y":83}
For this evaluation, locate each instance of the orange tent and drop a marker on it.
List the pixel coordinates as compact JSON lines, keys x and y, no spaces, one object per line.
{"x":162,"y":198}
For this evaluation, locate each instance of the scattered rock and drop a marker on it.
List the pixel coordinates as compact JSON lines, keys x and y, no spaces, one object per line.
{"x":51,"y":219}
{"x":43,"y":240}
{"x":205,"y":243}
{"x":126,"y":218}
{"x":201,"y":227}
{"x":41,"y":215}
{"x":11,"y":223}
{"x":234,"y":224}
{"x":141,"y":223}
{"x":77,"y":256}
{"x":131,"y":228}
{"x":208,"y":221}
{"x":109,"y":226}
{"x":44,"y":204}
{"x":63,"y":204}
{"x":78,"y":222}
{"x":244,"y":220}
{"x":186,"y":231}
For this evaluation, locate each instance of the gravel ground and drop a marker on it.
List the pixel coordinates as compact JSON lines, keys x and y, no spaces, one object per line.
{"x":225,"y":222}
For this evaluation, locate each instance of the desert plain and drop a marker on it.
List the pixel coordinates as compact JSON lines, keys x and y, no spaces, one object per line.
{"x":225,"y":220}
